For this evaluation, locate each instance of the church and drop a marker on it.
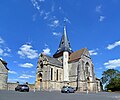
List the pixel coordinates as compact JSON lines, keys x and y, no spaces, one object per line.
{"x":66,"y":68}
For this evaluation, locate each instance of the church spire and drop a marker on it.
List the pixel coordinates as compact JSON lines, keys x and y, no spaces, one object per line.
{"x":64,"y":43}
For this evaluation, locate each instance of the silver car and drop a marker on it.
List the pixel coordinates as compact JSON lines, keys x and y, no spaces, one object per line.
{"x":67,"y":89}
{"x":22,"y":88}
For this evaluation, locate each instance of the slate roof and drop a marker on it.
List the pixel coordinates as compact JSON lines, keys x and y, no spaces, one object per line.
{"x":54,"y":61}
{"x":64,"y":44}
{"x":4,"y":63}
{"x":76,"y":55}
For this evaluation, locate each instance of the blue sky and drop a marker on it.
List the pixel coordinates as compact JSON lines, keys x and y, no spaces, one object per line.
{"x":29,"y":27}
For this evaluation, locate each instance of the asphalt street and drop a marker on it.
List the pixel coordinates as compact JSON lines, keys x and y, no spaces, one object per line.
{"x":13,"y":95}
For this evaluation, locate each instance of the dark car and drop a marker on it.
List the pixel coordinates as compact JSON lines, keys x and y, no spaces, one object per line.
{"x":67,"y":89}
{"x":22,"y":88}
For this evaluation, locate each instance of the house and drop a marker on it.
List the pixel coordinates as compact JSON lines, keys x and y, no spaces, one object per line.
{"x":3,"y":75}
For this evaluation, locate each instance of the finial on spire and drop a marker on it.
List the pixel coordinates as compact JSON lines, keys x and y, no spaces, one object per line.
{"x":64,"y":22}
{"x":64,"y":26}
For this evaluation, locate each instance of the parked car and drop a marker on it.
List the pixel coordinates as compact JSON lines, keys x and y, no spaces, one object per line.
{"x":22,"y":88}
{"x":67,"y":89}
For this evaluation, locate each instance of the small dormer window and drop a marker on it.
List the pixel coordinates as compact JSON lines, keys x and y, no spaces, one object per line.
{"x":41,"y":55}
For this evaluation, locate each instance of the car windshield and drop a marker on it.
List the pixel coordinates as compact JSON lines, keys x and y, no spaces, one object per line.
{"x":64,"y":86}
{"x":23,"y":85}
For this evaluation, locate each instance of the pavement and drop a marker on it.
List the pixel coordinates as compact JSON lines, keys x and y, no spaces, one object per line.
{"x":56,"y":95}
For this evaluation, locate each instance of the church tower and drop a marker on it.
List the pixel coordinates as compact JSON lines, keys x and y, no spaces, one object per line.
{"x":63,"y":52}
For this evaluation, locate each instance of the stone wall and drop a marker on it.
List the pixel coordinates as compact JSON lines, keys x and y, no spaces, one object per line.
{"x":11,"y":86}
{"x":3,"y":77}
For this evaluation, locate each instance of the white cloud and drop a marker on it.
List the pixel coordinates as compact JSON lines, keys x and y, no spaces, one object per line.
{"x":46,"y":15}
{"x":16,"y":80}
{"x":35,"y":3}
{"x":33,"y":72}
{"x":7,"y":49}
{"x":99,"y":8}
{"x":111,"y":46}
{"x":67,"y":20}
{"x":25,"y":76}
{"x":112,"y":64}
{"x":46,"y":51}
{"x":56,"y":34}
{"x":93,"y":52}
{"x":3,"y":52}
{"x":46,"y":45}
{"x":26,"y":65}
{"x":101,"y":18}
{"x":1,"y":41}
{"x":55,"y":23}
{"x":41,"y":12}
{"x":27,"y":50}
{"x":12,"y":72}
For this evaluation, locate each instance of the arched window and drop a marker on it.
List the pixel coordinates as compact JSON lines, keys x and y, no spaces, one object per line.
{"x":87,"y":69}
{"x":57,"y":75}
{"x":40,"y":75}
{"x":51,"y":73}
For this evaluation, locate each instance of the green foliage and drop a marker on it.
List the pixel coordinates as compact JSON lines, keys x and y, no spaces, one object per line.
{"x":111,"y":79}
{"x":114,"y":84}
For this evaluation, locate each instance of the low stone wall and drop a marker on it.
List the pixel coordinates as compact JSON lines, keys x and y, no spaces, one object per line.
{"x":31,"y":86}
{"x":11,"y":86}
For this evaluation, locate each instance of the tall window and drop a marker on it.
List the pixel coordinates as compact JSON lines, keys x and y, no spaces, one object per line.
{"x":86,"y":69}
{"x":51,"y":73}
{"x":57,"y":75}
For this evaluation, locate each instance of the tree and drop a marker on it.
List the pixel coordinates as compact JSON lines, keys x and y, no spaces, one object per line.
{"x":108,"y":76}
{"x":114,"y":85}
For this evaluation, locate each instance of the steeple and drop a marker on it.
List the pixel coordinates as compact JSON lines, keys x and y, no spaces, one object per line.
{"x":64,"y":43}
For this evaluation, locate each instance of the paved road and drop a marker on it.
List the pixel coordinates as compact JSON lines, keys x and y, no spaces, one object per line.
{"x":13,"y":95}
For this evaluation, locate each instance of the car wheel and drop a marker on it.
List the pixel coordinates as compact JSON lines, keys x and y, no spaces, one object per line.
{"x":68,"y":91}
{"x":20,"y":90}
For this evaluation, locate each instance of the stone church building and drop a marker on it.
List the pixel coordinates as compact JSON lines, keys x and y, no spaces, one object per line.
{"x":66,"y":67}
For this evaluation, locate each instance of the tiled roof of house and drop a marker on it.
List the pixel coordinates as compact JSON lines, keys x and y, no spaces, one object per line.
{"x":76,"y":55}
